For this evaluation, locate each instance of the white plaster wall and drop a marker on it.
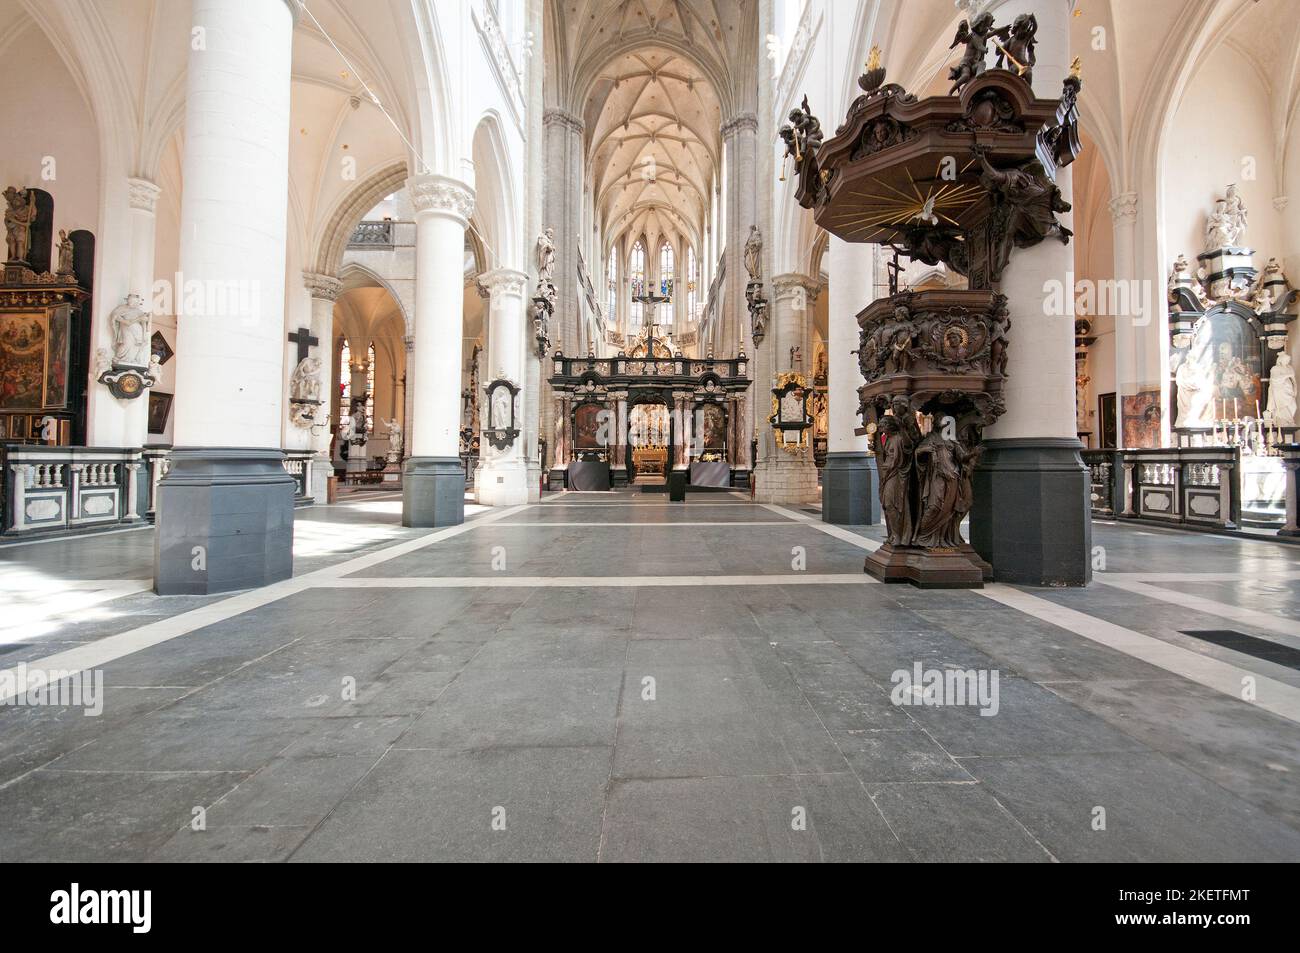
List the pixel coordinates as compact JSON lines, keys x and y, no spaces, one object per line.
{"x":43,"y":115}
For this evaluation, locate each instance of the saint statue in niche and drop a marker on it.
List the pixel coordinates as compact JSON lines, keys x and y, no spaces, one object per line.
{"x":65,"y":254}
{"x":1281,"y":392}
{"x":130,"y":325}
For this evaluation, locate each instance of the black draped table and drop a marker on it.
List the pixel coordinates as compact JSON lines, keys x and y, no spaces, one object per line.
{"x":588,"y":476}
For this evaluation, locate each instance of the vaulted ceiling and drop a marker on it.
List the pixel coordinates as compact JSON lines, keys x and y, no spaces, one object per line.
{"x":653,"y":81}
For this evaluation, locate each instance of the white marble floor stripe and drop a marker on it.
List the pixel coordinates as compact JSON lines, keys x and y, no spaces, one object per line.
{"x":1199,"y":576}
{"x":1271,"y":695}
{"x":686,"y":523}
{"x":839,"y":532}
{"x":593,"y":582}
{"x":1260,"y":620}
{"x":113,"y":647}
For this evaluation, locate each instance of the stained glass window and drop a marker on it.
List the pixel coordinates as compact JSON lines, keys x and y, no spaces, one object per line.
{"x":637,"y":275}
{"x":667,"y":271}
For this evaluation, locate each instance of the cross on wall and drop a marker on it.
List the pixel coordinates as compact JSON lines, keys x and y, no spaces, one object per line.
{"x":303,"y":338}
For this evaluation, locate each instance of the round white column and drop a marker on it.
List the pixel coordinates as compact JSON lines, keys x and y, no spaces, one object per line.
{"x":111,"y":421}
{"x":503,"y":479}
{"x":324,"y":290}
{"x":433,"y":481}
{"x":230,"y":306}
{"x":848,"y":479}
{"x":1031,"y":516}
{"x":225,"y":509}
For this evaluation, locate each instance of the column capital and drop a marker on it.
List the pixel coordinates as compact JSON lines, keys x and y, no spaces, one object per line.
{"x":441,"y":196}
{"x":562,"y":117}
{"x":1124,"y":208}
{"x":741,"y":122}
{"x":322,"y":287}
{"x":789,"y":285}
{"x":142,"y":195}
{"x":504,"y":281}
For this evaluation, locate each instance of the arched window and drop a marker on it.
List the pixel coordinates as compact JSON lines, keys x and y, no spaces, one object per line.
{"x":692,"y":285}
{"x":667,"y":271}
{"x":611,"y":280}
{"x":636,"y":273}
{"x":345,"y":383}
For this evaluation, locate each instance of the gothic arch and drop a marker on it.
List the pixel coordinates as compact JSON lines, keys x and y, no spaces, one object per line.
{"x":343,"y":220}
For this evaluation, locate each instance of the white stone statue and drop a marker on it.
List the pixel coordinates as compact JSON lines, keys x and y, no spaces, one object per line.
{"x":754,"y":254}
{"x":1219,"y":230}
{"x":1236,"y":209}
{"x":1195,"y":379}
{"x":347,"y":429}
{"x":546,"y":256}
{"x":359,"y":435}
{"x":1281,"y":392}
{"x":501,"y":406}
{"x":130,"y":325}
{"x":304,"y":384}
{"x":394,"y":436}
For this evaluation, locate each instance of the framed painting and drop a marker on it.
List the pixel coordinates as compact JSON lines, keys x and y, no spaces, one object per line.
{"x":56,"y":359}
{"x":22,"y":360}
{"x":160,"y":408}
{"x":587,"y":426}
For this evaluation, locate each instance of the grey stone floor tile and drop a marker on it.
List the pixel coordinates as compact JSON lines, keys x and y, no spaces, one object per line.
{"x":897,"y":754}
{"x":955,"y":823}
{"x":440,"y":806}
{"x":1029,"y":720}
{"x":231,"y":845}
{"x":703,"y":820}
{"x":291,"y":792}
{"x":110,"y":815}
{"x":502,"y":708}
{"x":1154,"y":810}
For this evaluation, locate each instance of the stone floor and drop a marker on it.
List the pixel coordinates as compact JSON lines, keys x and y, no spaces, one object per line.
{"x":615,"y":677}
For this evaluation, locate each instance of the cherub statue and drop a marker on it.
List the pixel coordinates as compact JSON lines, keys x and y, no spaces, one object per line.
{"x":975,"y":35}
{"x":1018,"y":51}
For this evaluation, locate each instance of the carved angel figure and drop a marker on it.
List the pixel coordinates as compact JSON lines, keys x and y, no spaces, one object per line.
{"x":1017,"y":46}
{"x":975,"y":36}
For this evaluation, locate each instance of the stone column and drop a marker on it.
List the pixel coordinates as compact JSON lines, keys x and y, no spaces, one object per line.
{"x":534,"y":405}
{"x":114,"y":422}
{"x":324,"y":291}
{"x":562,"y":136}
{"x":1137,"y":333}
{"x":740,"y":150}
{"x":503,"y":478}
{"x":849,"y":494}
{"x":433,"y":479}
{"x":1031,"y":517}
{"x":225,"y":508}
{"x":783,"y":476}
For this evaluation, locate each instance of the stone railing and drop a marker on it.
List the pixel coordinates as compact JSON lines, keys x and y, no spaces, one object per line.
{"x":682,"y":367}
{"x":372,"y":235}
{"x":1214,"y":487}
{"x":297,"y":463}
{"x":62,"y":489}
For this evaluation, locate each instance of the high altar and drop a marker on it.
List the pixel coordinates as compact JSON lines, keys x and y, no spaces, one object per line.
{"x":646,"y":412}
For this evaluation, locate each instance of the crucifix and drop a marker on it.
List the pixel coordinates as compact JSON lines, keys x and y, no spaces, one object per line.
{"x":303,"y":338}
{"x":652,"y":301}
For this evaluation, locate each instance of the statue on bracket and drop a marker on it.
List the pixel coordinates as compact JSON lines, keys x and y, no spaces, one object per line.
{"x":545,"y":257}
{"x":754,"y":254}
{"x":130,"y":367}
{"x":304,"y":392}
{"x":1226,"y":227}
